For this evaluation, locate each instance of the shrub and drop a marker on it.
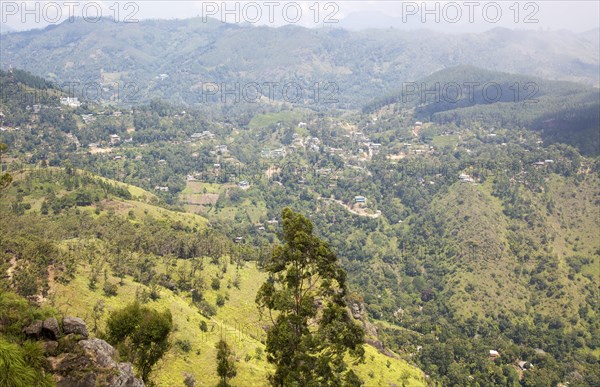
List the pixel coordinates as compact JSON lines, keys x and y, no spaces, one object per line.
{"x":215,"y":284}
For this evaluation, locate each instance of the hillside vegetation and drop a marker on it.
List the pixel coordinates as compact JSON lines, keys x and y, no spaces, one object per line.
{"x":81,"y":265}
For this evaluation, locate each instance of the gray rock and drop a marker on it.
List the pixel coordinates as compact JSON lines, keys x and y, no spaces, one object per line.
{"x":87,"y":380}
{"x":100,"y":351}
{"x":50,"y":328}
{"x":34,"y":330}
{"x":50,"y":347}
{"x":70,"y":363}
{"x":92,"y":363}
{"x":124,"y":378}
{"x":75,"y":325}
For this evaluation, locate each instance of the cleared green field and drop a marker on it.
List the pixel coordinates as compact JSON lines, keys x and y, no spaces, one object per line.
{"x":264,"y":120}
{"x":442,"y":141}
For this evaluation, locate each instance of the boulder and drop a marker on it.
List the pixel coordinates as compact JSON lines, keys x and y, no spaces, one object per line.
{"x":100,"y":352}
{"x":76,"y":326}
{"x":34,"y":330}
{"x":50,"y":328}
{"x":92,"y":363}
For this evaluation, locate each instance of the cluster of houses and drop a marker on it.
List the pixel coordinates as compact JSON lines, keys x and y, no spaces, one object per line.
{"x":273,"y":154}
{"x":207,"y":134}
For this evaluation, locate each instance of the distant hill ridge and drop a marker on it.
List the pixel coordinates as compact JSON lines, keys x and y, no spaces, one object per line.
{"x":173,"y":58}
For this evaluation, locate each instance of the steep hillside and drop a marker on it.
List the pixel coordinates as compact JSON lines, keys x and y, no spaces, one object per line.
{"x":88,"y":257}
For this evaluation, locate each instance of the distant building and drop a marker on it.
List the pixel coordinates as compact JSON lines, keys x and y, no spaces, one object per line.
{"x":464,"y":178}
{"x":115,"y":139}
{"x":524,"y":365}
{"x":244,"y":184}
{"x":360,"y":199}
{"x":70,"y":101}
{"x":494,"y":354}
{"x":161,"y":188}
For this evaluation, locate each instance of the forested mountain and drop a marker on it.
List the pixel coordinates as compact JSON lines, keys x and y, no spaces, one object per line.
{"x":465,"y":95}
{"x":363,"y":65}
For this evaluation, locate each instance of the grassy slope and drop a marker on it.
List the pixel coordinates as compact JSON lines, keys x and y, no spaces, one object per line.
{"x":238,"y":321}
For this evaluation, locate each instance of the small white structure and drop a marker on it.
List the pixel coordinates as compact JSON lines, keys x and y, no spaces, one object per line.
{"x":70,"y":101}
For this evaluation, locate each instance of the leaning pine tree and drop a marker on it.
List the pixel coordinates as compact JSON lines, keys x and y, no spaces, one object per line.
{"x":304,"y":296}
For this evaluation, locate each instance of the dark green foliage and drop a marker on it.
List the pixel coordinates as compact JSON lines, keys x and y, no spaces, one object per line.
{"x":215,"y":284}
{"x":303,"y":271}
{"x":141,"y":335}
{"x":184,"y":345}
{"x":203,"y":326}
{"x":226,"y":368}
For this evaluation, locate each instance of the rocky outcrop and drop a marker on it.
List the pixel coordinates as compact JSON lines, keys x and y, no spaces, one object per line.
{"x":75,"y":325}
{"x":78,"y":361}
{"x":34,"y":330}
{"x":50,"y":328}
{"x":92,"y":363}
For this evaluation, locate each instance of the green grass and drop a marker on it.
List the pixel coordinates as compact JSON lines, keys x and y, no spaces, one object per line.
{"x":237,"y":321}
{"x":265,"y":120}
{"x":442,"y":141}
{"x":231,"y":322}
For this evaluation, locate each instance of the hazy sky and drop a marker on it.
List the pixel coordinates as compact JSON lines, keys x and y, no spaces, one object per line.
{"x":451,"y":16}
